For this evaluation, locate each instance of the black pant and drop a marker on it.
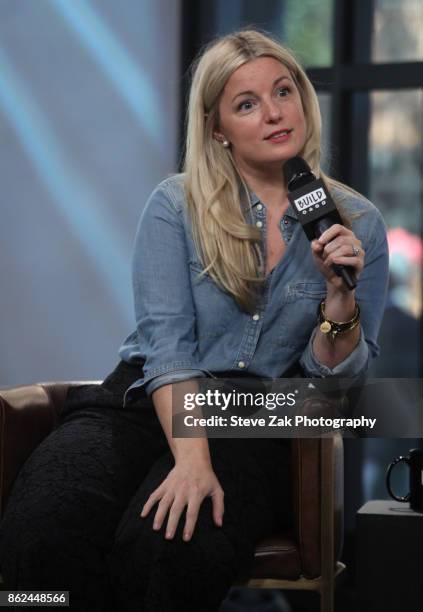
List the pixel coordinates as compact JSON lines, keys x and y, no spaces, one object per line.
{"x":72,"y":521}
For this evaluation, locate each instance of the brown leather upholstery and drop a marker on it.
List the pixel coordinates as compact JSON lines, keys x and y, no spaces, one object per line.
{"x":28,"y":414}
{"x":277,"y":557}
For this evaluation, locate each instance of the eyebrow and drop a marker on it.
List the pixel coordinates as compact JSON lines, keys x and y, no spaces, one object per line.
{"x":250,"y":92}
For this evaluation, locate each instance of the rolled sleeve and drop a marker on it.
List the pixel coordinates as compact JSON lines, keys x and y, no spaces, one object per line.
{"x":172,"y":377}
{"x":352,"y":366}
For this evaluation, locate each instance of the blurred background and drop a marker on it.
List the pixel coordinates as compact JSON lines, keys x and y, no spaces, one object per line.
{"x":89,"y":110}
{"x":92,"y":100}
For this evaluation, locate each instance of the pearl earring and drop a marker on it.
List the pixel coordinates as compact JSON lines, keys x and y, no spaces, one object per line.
{"x":226,"y":144}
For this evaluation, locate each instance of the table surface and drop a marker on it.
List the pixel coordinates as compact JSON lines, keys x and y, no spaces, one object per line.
{"x":388,"y":508}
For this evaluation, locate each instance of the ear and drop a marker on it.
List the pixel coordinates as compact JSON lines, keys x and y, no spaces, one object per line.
{"x":218,"y":136}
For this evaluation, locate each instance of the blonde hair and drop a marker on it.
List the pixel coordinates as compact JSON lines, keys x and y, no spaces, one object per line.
{"x":227,"y":245}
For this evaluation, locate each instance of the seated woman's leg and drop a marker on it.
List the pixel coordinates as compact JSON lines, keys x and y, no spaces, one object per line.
{"x":151,"y":573}
{"x":60,"y":520}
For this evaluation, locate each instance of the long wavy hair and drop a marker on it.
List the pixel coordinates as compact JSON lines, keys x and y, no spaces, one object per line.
{"x":227,"y":244}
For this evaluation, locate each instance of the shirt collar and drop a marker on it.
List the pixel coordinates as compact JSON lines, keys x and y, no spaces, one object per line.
{"x":290,"y":212}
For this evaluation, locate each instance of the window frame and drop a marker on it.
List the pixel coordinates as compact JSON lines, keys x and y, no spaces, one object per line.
{"x":351,"y":72}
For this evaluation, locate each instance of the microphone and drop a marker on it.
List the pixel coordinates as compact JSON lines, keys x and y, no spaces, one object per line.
{"x":315,"y":207}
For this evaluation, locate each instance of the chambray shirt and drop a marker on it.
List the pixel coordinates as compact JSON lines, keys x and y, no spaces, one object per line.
{"x":188,"y":327}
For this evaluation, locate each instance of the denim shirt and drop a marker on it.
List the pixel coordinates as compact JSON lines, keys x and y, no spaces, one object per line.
{"x":188,"y":327}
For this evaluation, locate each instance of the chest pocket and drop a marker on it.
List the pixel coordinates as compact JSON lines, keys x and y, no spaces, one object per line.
{"x":299,"y":313}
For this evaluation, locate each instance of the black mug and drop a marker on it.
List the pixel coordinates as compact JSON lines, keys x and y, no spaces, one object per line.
{"x":414,"y":460}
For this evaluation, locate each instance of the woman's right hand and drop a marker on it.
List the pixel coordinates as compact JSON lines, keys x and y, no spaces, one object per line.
{"x":187,"y":484}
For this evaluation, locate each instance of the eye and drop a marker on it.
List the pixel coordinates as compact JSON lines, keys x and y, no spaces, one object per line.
{"x":246,"y":105}
{"x":283,"y":91}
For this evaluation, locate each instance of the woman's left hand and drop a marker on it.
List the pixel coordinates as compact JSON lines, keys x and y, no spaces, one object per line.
{"x":338,"y":245}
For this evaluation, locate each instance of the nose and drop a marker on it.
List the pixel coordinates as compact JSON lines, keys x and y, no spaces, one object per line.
{"x":272,"y":110}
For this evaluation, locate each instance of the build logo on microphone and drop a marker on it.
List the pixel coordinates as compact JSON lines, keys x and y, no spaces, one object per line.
{"x":311,"y":200}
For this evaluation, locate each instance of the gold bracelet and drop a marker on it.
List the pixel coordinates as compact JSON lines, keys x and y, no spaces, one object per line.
{"x":333,"y":328}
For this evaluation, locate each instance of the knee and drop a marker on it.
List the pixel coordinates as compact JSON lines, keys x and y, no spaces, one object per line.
{"x":48,"y":528}
{"x":209,"y":554}
{"x":29,"y":554}
{"x":24,"y":534}
{"x":144,"y":564}
{"x":137,"y":543}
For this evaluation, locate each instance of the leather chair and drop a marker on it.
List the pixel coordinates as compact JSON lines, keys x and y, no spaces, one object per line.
{"x":305,"y":558}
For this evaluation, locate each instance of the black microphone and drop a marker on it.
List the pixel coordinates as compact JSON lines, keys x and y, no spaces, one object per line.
{"x":314,"y":206}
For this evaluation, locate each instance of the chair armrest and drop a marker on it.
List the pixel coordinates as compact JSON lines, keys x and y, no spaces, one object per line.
{"x":27,"y":415}
{"x":309,"y":455}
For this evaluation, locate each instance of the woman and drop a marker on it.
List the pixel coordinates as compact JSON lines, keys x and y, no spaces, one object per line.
{"x":110,"y":506}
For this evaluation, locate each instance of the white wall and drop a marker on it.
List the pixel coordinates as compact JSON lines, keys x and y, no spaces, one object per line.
{"x":88,"y":125}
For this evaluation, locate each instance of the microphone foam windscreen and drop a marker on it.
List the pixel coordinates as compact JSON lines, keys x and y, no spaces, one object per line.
{"x":295,"y":166}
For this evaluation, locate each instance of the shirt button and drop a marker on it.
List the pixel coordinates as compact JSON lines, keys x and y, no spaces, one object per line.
{"x":256,"y":317}
{"x":259,"y":224}
{"x":259,"y":206}
{"x":241,"y":364}
{"x":286,"y":221}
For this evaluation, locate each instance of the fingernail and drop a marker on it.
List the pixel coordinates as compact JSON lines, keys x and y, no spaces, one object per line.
{"x":186,"y":535}
{"x":168,"y":534}
{"x":155,"y":526}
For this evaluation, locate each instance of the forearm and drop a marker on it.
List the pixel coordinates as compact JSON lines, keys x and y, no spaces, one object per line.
{"x":182,"y":448}
{"x":339,"y":306}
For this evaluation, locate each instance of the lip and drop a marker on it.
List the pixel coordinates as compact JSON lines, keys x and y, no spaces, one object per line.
{"x":284,"y":133}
